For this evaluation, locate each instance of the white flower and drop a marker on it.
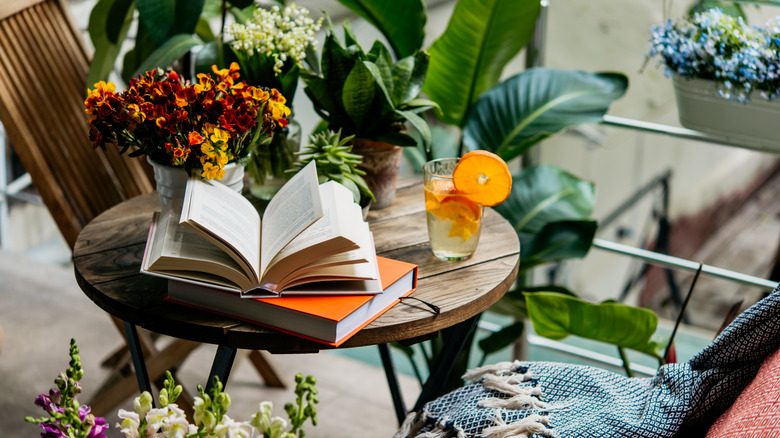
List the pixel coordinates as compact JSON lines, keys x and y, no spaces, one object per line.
{"x":130,"y":422}
{"x":281,"y":35}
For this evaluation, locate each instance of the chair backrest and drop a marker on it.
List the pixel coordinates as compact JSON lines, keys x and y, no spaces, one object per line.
{"x":43,"y":69}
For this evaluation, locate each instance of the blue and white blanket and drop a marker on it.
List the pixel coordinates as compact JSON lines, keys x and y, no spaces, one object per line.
{"x":545,"y":399}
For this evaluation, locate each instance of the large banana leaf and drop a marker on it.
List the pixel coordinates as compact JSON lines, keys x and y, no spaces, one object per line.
{"x":169,"y":52}
{"x":108,"y":24}
{"x":557,"y":241}
{"x":402,"y":22}
{"x":556,"y":316}
{"x":468,"y":59}
{"x":539,"y":102}
{"x":543,"y":194}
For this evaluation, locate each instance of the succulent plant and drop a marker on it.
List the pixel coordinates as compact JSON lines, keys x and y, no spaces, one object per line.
{"x":335,"y":162}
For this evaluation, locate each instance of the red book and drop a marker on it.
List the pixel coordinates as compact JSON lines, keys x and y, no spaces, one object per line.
{"x":329,"y":319}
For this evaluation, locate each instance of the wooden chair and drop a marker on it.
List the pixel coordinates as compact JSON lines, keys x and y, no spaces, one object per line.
{"x":43,"y":67}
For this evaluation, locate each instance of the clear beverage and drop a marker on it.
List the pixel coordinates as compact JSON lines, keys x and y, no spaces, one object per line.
{"x":454,"y":220}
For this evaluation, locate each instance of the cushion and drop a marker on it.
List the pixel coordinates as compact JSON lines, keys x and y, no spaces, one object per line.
{"x":756,"y":412}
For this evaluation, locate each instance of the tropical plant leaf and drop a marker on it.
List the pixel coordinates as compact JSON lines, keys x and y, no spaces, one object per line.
{"x":169,"y":52}
{"x":214,"y":53}
{"x":105,"y":19}
{"x":419,"y":124}
{"x":409,"y":74}
{"x":164,"y":19}
{"x":402,"y":22}
{"x":543,"y":194}
{"x":118,"y":20}
{"x":358,"y":93}
{"x":468,"y":59}
{"x":555,"y":242}
{"x":557,"y":316}
{"x":537,"y":103}
{"x":501,"y":339}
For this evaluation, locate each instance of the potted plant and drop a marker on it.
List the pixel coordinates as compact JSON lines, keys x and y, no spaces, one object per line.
{"x":370,"y":97}
{"x":203,"y":128}
{"x":724,"y":72}
{"x":335,"y":162}
{"x":270,"y":48}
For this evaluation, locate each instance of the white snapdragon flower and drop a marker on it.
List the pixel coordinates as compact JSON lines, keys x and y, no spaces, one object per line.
{"x":129,"y":424}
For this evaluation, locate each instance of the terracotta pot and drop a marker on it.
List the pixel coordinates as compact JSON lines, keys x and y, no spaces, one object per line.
{"x":381,"y":162}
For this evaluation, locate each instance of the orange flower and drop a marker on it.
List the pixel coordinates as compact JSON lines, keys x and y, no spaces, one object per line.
{"x":194,"y":138}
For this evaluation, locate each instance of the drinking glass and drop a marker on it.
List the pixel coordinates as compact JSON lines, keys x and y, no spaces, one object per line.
{"x":454,"y":220}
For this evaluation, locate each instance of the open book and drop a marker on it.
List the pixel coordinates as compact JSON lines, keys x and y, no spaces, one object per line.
{"x":311,"y":240}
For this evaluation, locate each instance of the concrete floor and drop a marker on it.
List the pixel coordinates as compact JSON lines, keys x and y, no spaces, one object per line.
{"x":42,"y":308}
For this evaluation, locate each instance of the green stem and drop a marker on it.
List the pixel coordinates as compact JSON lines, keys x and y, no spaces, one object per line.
{"x":626,"y":363}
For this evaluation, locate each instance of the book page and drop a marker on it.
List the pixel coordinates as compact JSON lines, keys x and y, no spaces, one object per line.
{"x":293,"y":209}
{"x":227,"y":219}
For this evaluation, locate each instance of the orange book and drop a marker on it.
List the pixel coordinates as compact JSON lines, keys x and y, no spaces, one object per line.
{"x":329,"y":319}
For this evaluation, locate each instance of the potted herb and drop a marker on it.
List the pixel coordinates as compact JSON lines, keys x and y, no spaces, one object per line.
{"x":725,"y":73}
{"x":271,"y":47}
{"x":370,"y":97}
{"x":186,"y":128}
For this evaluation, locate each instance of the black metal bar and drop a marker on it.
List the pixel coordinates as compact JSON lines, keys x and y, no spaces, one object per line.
{"x":223,"y":362}
{"x":131,"y":334}
{"x":662,"y":180}
{"x":454,"y":340}
{"x":683,"y":307}
{"x":392,"y":382}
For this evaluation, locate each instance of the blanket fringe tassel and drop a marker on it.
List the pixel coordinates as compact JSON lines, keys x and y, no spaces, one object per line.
{"x":534,"y":424}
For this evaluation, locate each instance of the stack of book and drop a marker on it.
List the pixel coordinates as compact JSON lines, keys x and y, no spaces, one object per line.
{"x":307,"y":267}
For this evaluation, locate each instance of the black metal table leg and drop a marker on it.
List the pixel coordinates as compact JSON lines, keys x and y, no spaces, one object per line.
{"x":455,"y":339}
{"x":392,"y":382}
{"x":223,"y":362}
{"x":131,"y":334}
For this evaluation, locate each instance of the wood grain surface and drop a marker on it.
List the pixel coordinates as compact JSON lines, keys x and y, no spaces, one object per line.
{"x":107,"y":258}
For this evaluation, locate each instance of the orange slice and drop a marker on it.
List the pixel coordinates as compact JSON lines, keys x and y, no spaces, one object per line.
{"x":484,"y":177}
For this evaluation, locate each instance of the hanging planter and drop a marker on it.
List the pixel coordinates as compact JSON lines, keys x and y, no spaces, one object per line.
{"x":755,"y":123}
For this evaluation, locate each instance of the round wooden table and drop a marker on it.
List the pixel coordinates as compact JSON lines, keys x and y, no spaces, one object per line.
{"x":107,"y":258}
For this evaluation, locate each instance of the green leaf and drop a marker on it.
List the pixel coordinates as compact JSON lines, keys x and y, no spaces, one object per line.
{"x":211,"y":54}
{"x":420,"y":125}
{"x":157,"y":17}
{"x":118,"y":20}
{"x":544,"y":193}
{"x":358,"y":93}
{"x":468,"y":59}
{"x":164,"y":19}
{"x":336,"y":63}
{"x":408,"y":77}
{"x":241,"y":3}
{"x":203,"y":30}
{"x":537,"y":103}
{"x":501,"y":339}
{"x":402,"y":22}
{"x":104,"y":16}
{"x":557,"y":241}
{"x":169,"y":52}
{"x":557,"y":316}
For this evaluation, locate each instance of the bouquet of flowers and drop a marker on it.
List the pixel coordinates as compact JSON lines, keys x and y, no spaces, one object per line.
{"x":715,"y":46}
{"x":202,"y":125}
{"x":68,"y":419}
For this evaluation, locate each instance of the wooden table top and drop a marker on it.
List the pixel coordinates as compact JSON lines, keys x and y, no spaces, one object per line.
{"x":107,"y":259}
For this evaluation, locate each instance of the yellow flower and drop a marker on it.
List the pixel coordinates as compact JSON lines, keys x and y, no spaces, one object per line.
{"x":219,"y":135}
{"x":210,"y":171}
{"x":209,"y":151}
